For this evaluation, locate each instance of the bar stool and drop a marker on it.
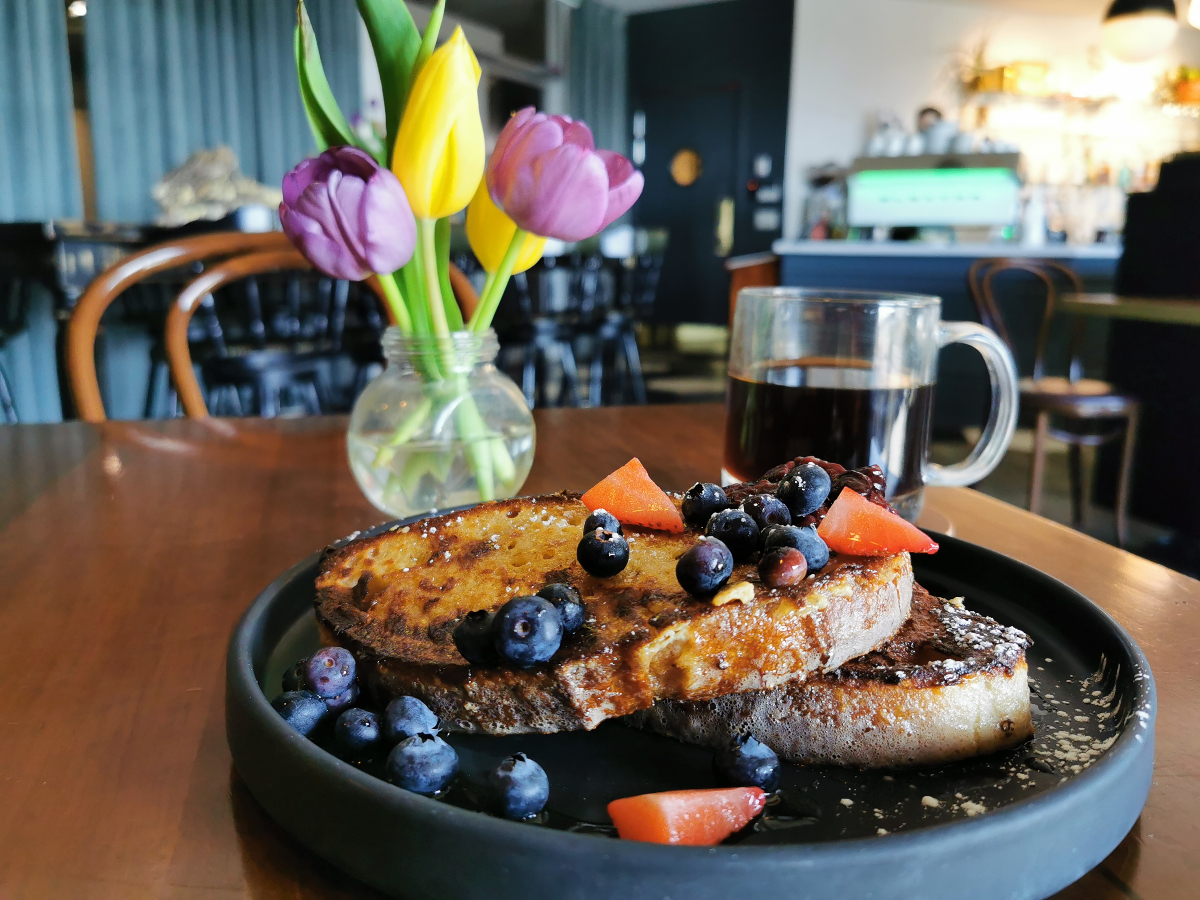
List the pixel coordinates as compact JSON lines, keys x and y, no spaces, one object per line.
{"x":616,"y":370}
{"x":541,"y":347}
{"x":1078,"y":400}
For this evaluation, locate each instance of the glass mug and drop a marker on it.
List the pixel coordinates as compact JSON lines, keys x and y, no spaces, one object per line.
{"x":848,"y":376}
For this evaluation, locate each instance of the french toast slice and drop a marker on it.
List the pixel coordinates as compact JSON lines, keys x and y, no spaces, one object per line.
{"x":394,"y":600}
{"x":951,"y":684}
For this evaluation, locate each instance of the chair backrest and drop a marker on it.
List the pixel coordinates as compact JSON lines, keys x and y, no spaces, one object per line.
{"x":85,"y":319}
{"x":100,"y":294}
{"x":179,"y":355}
{"x":981,"y":281}
{"x":237,"y":268}
{"x":754,"y":270}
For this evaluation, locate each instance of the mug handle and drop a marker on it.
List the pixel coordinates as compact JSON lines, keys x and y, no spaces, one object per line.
{"x":1002,"y":419}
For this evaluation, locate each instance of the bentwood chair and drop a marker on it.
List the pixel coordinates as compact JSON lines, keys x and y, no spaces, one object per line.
{"x":234,"y":256}
{"x":267,"y":367}
{"x":1081,"y":412}
{"x":267,"y":372}
{"x":125,"y":274}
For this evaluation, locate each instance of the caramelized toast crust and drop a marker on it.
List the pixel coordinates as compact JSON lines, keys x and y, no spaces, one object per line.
{"x":394,"y":600}
{"x":951,"y":684}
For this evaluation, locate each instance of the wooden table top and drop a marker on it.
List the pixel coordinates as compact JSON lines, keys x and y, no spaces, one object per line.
{"x":129,"y":550}
{"x":1170,"y":311}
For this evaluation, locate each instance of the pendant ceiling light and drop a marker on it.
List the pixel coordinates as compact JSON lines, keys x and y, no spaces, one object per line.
{"x":1137,"y":30}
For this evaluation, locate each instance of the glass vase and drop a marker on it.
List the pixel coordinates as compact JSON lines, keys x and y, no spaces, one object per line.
{"x":440,"y":427}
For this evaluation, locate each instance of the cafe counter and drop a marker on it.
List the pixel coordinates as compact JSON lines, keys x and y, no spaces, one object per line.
{"x":921,"y":268}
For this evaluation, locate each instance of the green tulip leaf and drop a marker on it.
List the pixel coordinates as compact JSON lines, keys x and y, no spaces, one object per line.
{"x":429,"y":40}
{"x":396,"y":42}
{"x":329,"y":126}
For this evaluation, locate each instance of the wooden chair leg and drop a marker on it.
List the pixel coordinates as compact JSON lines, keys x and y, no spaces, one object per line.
{"x":1075,"y":479}
{"x":1037,"y":471}
{"x":1126,"y":476}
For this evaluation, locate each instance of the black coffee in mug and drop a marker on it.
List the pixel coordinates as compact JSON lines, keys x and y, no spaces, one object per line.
{"x":849,"y":377}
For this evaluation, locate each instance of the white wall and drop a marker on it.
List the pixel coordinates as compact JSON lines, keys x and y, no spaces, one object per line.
{"x":854,"y":58}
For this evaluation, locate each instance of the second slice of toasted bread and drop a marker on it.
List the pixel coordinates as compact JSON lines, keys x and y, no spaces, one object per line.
{"x":951,"y":684}
{"x":395,"y":599}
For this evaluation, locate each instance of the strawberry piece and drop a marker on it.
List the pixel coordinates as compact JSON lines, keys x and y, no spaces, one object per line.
{"x":698,"y":818}
{"x":856,"y":526}
{"x":631,"y":496}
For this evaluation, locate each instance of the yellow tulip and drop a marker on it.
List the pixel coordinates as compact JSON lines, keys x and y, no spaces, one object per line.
{"x":439,"y":151}
{"x":490,"y":231}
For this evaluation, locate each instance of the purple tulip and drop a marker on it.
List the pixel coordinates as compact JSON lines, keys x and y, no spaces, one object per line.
{"x":549,"y":178}
{"x":348,"y":216}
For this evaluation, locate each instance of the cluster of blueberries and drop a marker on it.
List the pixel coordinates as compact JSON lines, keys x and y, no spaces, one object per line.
{"x":419,"y":759}
{"x":762,"y":525}
{"x":528,"y":630}
{"x":422,"y":762}
{"x":525,"y":631}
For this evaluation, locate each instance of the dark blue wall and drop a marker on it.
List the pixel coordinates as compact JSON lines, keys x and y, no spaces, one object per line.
{"x":736,"y":58}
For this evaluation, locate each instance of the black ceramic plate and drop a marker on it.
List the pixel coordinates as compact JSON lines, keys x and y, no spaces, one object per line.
{"x":1023,"y":823}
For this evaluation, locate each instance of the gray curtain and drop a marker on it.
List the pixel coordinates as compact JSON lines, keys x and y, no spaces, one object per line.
{"x":39,"y":166}
{"x":597,"y":79}
{"x":28,"y":362}
{"x":169,"y":77}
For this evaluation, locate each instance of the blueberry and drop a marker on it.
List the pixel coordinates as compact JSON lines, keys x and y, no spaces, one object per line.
{"x":344,"y":700}
{"x":528,"y":631}
{"x":736,"y":530}
{"x":766,"y":510}
{"x":568,"y":603}
{"x":805,"y":489}
{"x":603,"y":553}
{"x":745,"y":762}
{"x":303,"y":710}
{"x":330,"y":671}
{"x":764,"y":535}
{"x":602,"y":518}
{"x":700,"y":501}
{"x":356,"y":732}
{"x":782,"y":566}
{"x":806,"y":540}
{"x":473,"y":638}
{"x":704,"y":568}
{"x":295,"y":678}
{"x":406,"y":716}
{"x":423,"y":763}
{"x":521,"y":787}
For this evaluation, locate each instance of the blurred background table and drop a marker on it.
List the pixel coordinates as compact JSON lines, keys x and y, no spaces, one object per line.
{"x":1150,"y":357}
{"x":129,"y":550}
{"x":1168,"y":310}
